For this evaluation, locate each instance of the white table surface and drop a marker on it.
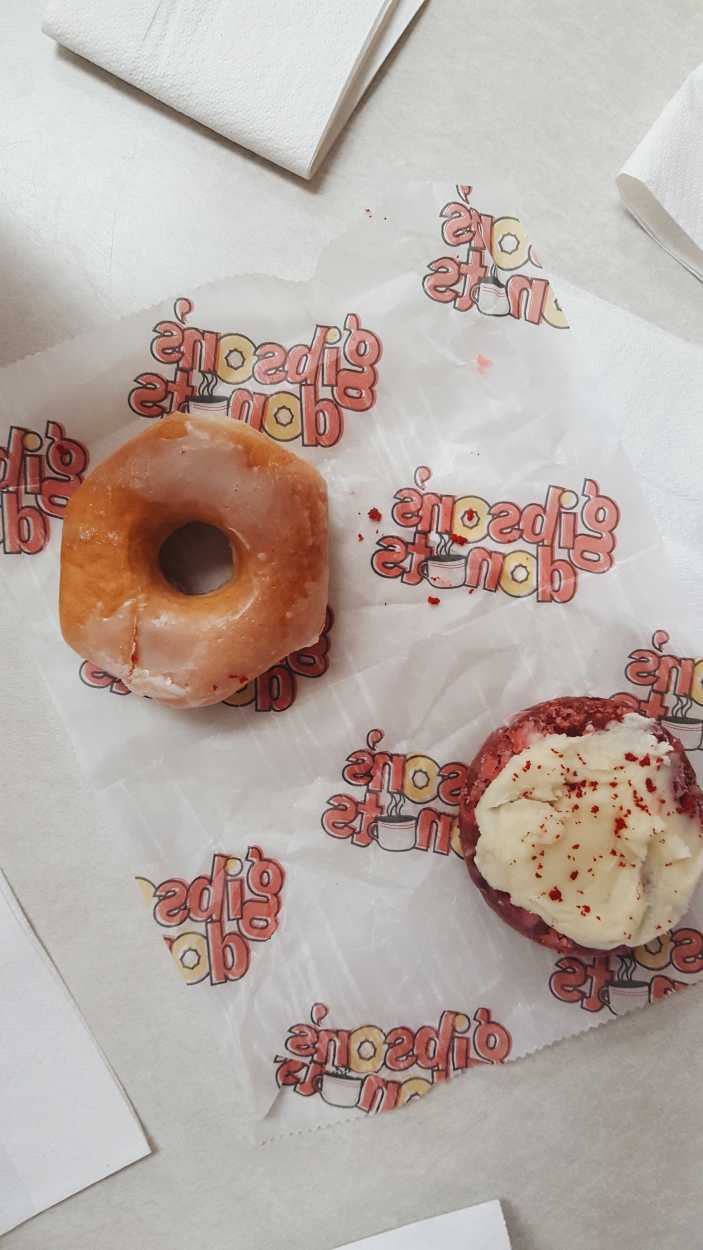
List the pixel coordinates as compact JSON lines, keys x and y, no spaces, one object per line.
{"x":109,"y":202}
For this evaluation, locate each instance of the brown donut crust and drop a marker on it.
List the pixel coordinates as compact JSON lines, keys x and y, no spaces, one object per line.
{"x":573,"y":716}
{"x":117,"y":608}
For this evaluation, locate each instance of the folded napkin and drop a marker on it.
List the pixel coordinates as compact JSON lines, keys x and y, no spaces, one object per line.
{"x":280,"y":77}
{"x":65,"y":1123}
{"x":662,"y":183}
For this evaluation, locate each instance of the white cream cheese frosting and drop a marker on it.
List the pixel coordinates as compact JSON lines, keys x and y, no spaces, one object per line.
{"x":586,"y":833}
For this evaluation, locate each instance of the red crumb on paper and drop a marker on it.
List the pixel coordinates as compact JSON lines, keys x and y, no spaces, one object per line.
{"x":555,"y":894}
{"x":483,"y":363}
{"x":573,"y":875}
{"x":374,"y":514}
{"x":433,"y":600}
{"x":650,"y":785}
{"x":360,"y":538}
{"x":459,"y":539}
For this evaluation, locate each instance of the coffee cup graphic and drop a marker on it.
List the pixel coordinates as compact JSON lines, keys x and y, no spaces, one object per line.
{"x":688,"y":731}
{"x":395,"y":833}
{"x":444,"y":571}
{"x":206,"y":401}
{"x":491,"y":297}
{"x":338,"y":1089}
{"x":623,"y":996}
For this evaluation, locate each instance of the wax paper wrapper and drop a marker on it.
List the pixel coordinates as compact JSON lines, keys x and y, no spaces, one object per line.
{"x":297,"y":845}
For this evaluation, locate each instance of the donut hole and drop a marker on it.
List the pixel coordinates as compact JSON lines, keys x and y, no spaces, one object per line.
{"x":196,"y":559}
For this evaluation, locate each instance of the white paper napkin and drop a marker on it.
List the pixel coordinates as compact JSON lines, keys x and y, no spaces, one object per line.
{"x":280,"y":77}
{"x":473,"y":1228}
{"x":65,"y":1123}
{"x":662,"y":183}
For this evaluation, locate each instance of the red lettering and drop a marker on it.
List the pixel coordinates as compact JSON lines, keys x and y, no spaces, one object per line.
{"x":323,"y":423}
{"x":453,"y":780}
{"x":642,"y":669}
{"x":302,"y":1040}
{"x":171,"y":908}
{"x":248,"y":407}
{"x":229,"y":953}
{"x":434,"y":284}
{"x":484,"y":568}
{"x":24,"y":529}
{"x":567,"y":982}
{"x":687,"y":954}
{"x":406,"y":512}
{"x":148,"y":398}
{"x":503,"y":526}
{"x":275,"y":689}
{"x":389,"y":559}
{"x":167,"y":342}
{"x":400,"y":1053}
{"x":556,"y":579}
{"x":340,"y":818}
{"x":358,"y":768}
{"x":269,"y":369}
{"x":434,"y":831}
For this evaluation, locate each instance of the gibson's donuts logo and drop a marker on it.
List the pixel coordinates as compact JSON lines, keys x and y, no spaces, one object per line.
{"x":38,"y":476}
{"x":375,"y":1070}
{"x":617,"y":983}
{"x":300,"y":393}
{"x":672,"y":689}
{"x":493,"y":268}
{"x":452,"y":541}
{"x":273,"y":691}
{"x":403,"y":802}
{"x":213,"y":920}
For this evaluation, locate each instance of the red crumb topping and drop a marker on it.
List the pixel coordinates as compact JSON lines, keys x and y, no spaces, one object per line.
{"x":650,"y":785}
{"x":433,"y":600}
{"x":645,"y":761}
{"x":374,"y":514}
{"x":555,"y":894}
{"x":620,"y":824}
{"x":628,"y":754}
{"x":575,"y":846}
{"x":527,"y":766}
{"x":595,"y":809}
{"x":360,"y":538}
{"x":585,"y":909}
{"x":573,"y":875}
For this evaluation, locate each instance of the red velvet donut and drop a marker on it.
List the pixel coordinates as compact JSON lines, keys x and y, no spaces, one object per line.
{"x":572,"y":716}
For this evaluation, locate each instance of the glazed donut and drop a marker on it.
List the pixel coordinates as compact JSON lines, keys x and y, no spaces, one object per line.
{"x":118,"y":610}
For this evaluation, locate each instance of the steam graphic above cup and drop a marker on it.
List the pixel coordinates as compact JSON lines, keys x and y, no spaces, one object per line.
{"x":624,"y":993}
{"x":395,"y":830}
{"x":445,"y":568}
{"x":678,"y":719}
{"x":206,"y":400}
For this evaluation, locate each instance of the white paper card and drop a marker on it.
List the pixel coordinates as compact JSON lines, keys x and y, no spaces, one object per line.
{"x":65,"y":1123}
{"x":473,"y":1228}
